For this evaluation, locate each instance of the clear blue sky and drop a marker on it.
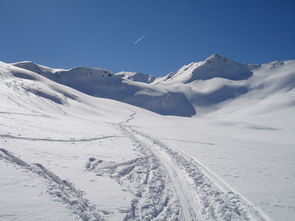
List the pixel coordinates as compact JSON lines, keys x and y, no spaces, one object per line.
{"x":102,"y":33}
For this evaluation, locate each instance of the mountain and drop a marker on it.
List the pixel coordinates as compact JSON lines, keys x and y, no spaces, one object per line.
{"x":202,"y":86}
{"x":102,"y":83}
{"x":136,"y":76}
{"x":218,"y":81}
{"x":215,"y":66}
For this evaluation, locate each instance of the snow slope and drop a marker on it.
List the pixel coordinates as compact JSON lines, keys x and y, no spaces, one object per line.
{"x":83,"y":157}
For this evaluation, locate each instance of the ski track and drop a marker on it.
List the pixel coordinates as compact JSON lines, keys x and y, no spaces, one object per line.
{"x":214,"y":201}
{"x":63,"y":190}
{"x":196,"y":190}
{"x":154,"y":197}
{"x":147,"y":181}
{"x":182,"y":188}
{"x":24,"y":114}
{"x":55,"y":140}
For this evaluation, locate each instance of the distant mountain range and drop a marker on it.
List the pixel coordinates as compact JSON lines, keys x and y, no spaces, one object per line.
{"x":198,"y":87}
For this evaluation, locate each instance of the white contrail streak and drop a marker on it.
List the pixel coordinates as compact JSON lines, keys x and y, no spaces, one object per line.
{"x":138,"y":40}
{"x":153,"y":29}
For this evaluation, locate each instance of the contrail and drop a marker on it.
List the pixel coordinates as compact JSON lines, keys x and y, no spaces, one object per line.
{"x":147,"y":33}
{"x":138,"y":40}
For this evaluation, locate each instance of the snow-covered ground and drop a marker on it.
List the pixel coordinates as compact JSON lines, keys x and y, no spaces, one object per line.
{"x":66,"y":155}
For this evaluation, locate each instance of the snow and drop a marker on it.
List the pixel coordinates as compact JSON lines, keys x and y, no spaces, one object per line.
{"x":68,"y":155}
{"x":24,"y":197}
{"x":136,"y":76}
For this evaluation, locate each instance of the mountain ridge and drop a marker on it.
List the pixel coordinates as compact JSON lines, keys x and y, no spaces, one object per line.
{"x":214,"y":58}
{"x":212,"y":83}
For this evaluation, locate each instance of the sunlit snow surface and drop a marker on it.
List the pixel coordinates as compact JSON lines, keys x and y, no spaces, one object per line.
{"x":65,"y":155}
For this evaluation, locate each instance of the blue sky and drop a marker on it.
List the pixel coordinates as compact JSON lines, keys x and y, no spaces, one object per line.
{"x":102,"y":33}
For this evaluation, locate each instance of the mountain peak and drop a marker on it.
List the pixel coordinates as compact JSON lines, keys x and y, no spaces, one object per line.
{"x":215,"y":66}
{"x":216,"y":58}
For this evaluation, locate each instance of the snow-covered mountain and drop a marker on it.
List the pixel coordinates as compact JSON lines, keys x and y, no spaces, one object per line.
{"x":67,"y":150}
{"x":102,"y":83}
{"x":136,"y":76}
{"x":218,"y":81}
{"x":200,"y":86}
{"x":215,"y":66}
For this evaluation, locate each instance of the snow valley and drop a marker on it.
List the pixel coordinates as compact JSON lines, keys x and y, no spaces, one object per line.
{"x":213,"y":140}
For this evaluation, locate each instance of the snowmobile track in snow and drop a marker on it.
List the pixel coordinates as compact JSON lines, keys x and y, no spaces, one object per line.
{"x":63,"y":190}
